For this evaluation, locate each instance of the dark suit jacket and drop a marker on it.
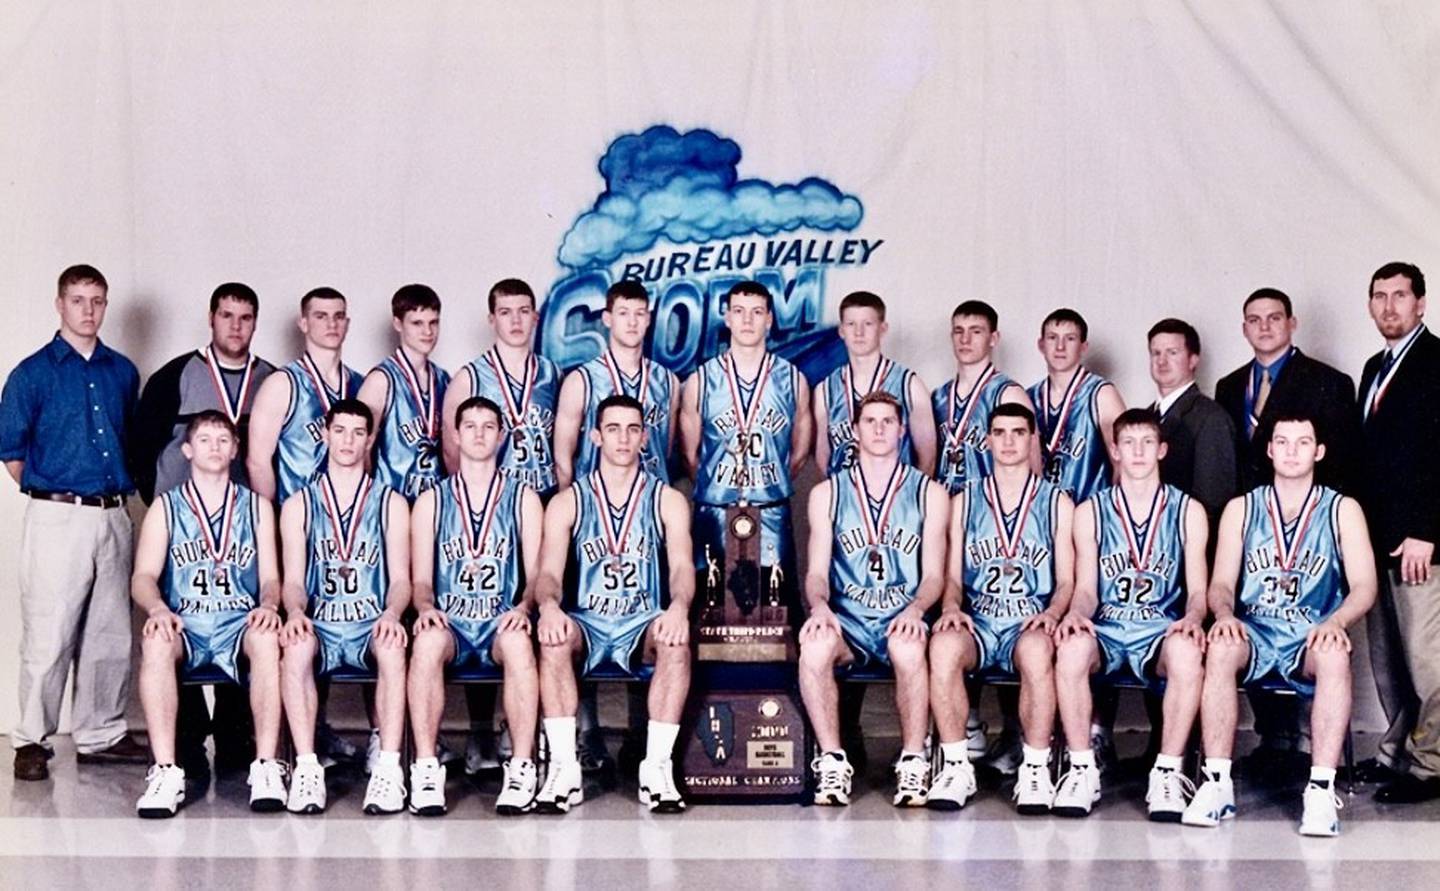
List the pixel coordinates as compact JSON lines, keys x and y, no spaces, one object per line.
{"x":1400,"y":463}
{"x":1200,"y":456}
{"x":1306,"y":386}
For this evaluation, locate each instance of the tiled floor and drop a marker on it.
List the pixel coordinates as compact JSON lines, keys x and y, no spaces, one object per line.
{"x":78,"y":830}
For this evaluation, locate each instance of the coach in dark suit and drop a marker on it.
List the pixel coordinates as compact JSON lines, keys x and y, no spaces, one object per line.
{"x":1400,"y":491}
{"x":1283,"y":380}
{"x":1199,"y":438}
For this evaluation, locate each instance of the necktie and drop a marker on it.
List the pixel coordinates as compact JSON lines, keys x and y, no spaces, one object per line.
{"x":1262,"y":394}
{"x":1386,"y":364}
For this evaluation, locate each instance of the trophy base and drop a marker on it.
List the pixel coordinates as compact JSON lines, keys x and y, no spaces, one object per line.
{"x":745,"y":746}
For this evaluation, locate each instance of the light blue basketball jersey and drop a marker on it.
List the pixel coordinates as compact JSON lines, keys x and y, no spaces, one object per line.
{"x":600,"y":378}
{"x":965,"y":455}
{"x":616,"y":595}
{"x":1080,"y":462}
{"x":527,"y":452}
{"x":300,"y":451}
{"x":842,"y":396}
{"x":346,"y":588}
{"x":1003,"y":590}
{"x":1280,"y":597}
{"x":407,"y":449}
{"x":474,"y":588}
{"x":757,"y":469}
{"x":875,"y":569}
{"x":1135,"y":603}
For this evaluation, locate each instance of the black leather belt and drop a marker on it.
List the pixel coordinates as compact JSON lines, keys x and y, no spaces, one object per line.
{"x":106,"y":501}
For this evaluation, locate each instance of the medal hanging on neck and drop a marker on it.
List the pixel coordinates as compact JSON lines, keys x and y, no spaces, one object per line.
{"x":1140,"y":544}
{"x":876,"y":523}
{"x":1382,"y":383}
{"x":215,"y":545}
{"x":1056,"y":435}
{"x":344,"y":535}
{"x":616,"y":538}
{"x":322,"y":389}
{"x":1011,"y":536}
{"x":477,"y":534}
{"x":1287,"y":549}
{"x":745,"y":416}
{"x":515,"y":409}
{"x":955,"y":439}
{"x":233,"y":409}
{"x":422,"y":397}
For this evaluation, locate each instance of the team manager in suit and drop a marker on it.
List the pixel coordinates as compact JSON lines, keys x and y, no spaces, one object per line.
{"x":1199,"y":438}
{"x":1283,"y":380}
{"x":1400,"y":492}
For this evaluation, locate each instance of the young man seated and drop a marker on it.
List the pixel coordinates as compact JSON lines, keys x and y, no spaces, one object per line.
{"x":474,"y":539}
{"x":1011,"y":572}
{"x":346,"y":545}
{"x":1286,"y":555}
{"x":1138,"y":614}
{"x":877,"y":563}
{"x":621,"y":531}
{"x":206,"y":578}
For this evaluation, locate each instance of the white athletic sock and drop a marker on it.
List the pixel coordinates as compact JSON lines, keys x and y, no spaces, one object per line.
{"x":312,"y":758}
{"x":1219,"y":768}
{"x":1082,"y":757}
{"x":955,"y":751}
{"x":1322,"y":776}
{"x":431,"y":763}
{"x":1169,"y":762}
{"x":387,"y":759}
{"x":660,"y":740}
{"x":561,"y":734}
{"x":1035,"y":756}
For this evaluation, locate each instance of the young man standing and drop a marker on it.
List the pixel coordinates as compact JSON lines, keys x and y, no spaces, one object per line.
{"x":208,"y":581}
{"x":622,"y":369}
{"x":862,"y":328}
{"x":621,"y":530}
{"x":962,"y":406}
{"x":1075,"y":409}
{"x":1010,"y":579}
{"x":745,"y":424}
{"x":405,"y":392}
{"x":287,"y":423}
{"x":877,"y":564}
{"x":1138,"y":613}
{"x":1293,"y":571}
{"x":474,"y":540}
{"x":347,"y":584}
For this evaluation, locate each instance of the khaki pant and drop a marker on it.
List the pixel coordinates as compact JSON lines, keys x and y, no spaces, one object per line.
{"x":1404,"y":634}
{"x":75,"y":610}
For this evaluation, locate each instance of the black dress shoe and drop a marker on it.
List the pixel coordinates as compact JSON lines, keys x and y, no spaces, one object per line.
{"x":1409,"y":790}
{"x":30,"y":762}
{"x":1370,"y":771}
{"x":125,"y":751}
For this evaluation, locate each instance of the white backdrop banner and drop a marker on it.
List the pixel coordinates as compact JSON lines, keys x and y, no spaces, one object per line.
{"x":1129,"y":158}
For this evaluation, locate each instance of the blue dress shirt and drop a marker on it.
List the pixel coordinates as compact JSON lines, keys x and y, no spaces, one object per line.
{"x":65,"y":417}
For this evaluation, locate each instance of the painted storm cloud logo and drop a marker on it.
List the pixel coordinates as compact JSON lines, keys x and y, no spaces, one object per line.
{"x":676,"y":215}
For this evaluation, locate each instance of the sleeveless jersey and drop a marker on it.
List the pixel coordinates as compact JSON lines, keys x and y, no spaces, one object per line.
{"x":1079,"y":463}
{"x":195,"y":586}
{"x":1152,"y":535}
{"x":1293,"y":579}
{"x":601,"y":378}
{"x":528,"y":404}
{"x":613,"y":588}
{"x":965,"y":452}
{"x":479,"y":561}
{"x":300,"y":451}
{"x":346,"y":574}
{"x":842,"y":395}
{"x":407,"y":449}
{"x":875,"y":559}
{"x":1005,"y":583}
{"x":742,"y":460}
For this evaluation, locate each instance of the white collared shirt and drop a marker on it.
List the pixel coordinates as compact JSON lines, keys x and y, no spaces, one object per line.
{"x":1399,"y":351}
{"x":1163,"y":403}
